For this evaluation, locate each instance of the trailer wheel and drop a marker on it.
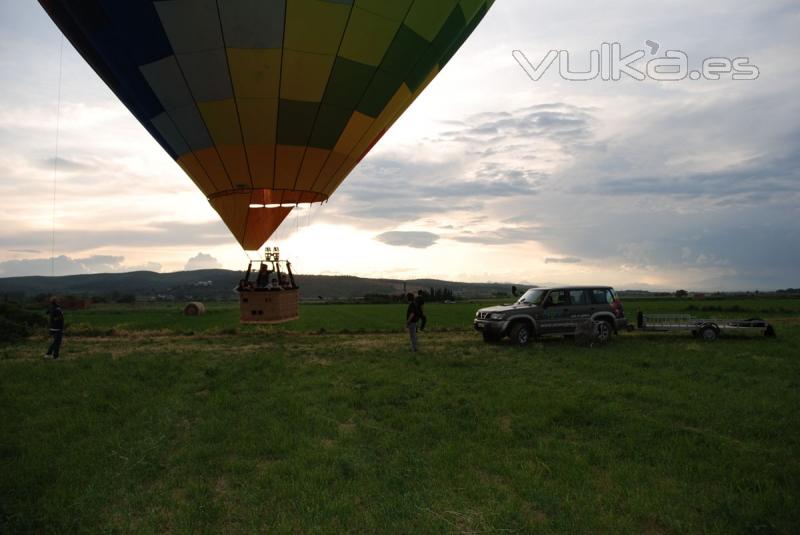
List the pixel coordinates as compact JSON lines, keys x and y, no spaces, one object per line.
{"x":709,"y":333}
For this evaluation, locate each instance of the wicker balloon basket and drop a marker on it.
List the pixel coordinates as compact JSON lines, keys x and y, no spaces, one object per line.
{"x":269,"y":306}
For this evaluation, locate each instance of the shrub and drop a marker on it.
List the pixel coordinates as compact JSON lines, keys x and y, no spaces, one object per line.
{"x":17,"y":323}
{"x":15,"y":313}
{"x":11,"y":331}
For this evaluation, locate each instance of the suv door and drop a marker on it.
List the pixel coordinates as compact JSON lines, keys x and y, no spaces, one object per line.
{"x":579,"y":308}
{"x":556,"y":312}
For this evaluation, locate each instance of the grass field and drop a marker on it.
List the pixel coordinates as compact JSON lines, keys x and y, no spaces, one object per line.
{"x":224,"y":317}
{"x":155,"y":422}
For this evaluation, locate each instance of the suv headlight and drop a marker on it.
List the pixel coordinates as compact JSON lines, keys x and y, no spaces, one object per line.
{"x":497,"y":316}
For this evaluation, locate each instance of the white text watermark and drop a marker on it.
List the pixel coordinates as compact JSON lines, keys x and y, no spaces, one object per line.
{"x":610,"y":64}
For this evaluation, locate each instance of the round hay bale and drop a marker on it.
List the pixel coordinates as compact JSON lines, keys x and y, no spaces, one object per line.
{"x":195,"y":308}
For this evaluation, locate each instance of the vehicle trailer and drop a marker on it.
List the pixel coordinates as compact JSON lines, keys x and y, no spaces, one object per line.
{"x":707,"y":329}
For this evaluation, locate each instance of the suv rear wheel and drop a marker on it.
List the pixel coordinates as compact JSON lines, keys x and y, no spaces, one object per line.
{"x":521,"y":333}
{"x":604,"y":331}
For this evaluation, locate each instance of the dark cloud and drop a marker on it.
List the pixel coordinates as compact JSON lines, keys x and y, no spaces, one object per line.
{"x":700,"y":191}
{"x":561,"y":122}
{"x":417,"y":240}
{"x":752,"y":182}
{"x":202,"y":261}
{"x":749,"y":247}
{"x":402,"y":189}
{"x":501,"y":236}
{"x":565,"y":260}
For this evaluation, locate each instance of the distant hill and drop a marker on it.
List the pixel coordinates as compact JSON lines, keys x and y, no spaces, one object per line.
{"x":218,"y":284}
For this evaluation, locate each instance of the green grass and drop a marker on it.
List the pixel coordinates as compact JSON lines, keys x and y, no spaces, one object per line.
{"x":762,"y":307}
{"x":286,"y":430}
{"x":224,"y":317}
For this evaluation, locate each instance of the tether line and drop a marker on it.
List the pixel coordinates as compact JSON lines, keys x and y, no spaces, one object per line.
{"x":55,"y":160}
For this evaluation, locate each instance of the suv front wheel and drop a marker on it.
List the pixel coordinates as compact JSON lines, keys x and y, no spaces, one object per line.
{"x":521,"y":333}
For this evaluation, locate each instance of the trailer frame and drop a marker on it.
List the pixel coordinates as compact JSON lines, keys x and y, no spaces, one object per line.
{"x":708,"y":329}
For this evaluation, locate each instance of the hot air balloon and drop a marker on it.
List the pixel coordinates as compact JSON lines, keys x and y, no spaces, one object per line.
{"x":266,"y":103}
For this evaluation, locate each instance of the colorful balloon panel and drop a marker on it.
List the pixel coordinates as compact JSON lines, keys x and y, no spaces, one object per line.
{"x":272,"y":100}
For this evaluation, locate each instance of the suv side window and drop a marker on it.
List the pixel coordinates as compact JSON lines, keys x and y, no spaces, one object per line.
{"x":602,"y":297}
{"x":578,"y":297}
{"x":558,"y":298}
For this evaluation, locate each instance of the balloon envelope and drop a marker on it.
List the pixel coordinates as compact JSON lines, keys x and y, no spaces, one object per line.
{"x":266,"y":103}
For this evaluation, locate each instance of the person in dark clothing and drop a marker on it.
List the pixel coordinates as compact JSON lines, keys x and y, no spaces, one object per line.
{"x":412,"y":317}
{"x":262,"y":280}
{"x":56,"y":329}
{"x":420,"y":301}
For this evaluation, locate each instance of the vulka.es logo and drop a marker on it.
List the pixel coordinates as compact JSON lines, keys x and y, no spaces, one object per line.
{"x":610,"y":65}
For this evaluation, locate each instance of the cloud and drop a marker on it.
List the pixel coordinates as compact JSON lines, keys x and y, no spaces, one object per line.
{"x":417,"y":240}
{"x":542,"y":133}
{"x":66,"y":165}
{"x":484,"y":159}
{"x":152,"y":234}
{"x":500,"y":236}
{"x":753,"y":181}
{"x":202,"y":261}
{"x":565,"y":260}
{"x":65,"y":265}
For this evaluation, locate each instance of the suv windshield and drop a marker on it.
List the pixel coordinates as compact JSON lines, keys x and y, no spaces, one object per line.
{"x":532,"y":297}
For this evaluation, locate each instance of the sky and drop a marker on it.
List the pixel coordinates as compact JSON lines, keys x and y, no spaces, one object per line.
{"x":490,"y":176}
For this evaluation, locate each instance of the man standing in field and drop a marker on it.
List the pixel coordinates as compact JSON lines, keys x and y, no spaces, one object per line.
{"x":412,"y":317}
{"x":420,"y":301}
{"x":56,"y":329}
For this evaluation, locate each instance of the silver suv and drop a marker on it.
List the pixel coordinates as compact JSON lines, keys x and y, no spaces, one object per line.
{"x":544,"y":311}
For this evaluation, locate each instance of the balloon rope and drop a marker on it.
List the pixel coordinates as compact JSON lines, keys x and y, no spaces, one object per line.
{"x":55,"y":160}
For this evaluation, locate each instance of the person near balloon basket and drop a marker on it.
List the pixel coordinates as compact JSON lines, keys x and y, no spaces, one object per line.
{"x":412,"y":317}
{"x":56,"y":316}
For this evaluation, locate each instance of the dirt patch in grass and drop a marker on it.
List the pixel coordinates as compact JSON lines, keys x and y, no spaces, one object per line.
{"x":264,"y":464}
{"x":221,"y":486}
{"x":533,"y":514}
{"x":505,"y":424}
{"x":347,"y":428}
